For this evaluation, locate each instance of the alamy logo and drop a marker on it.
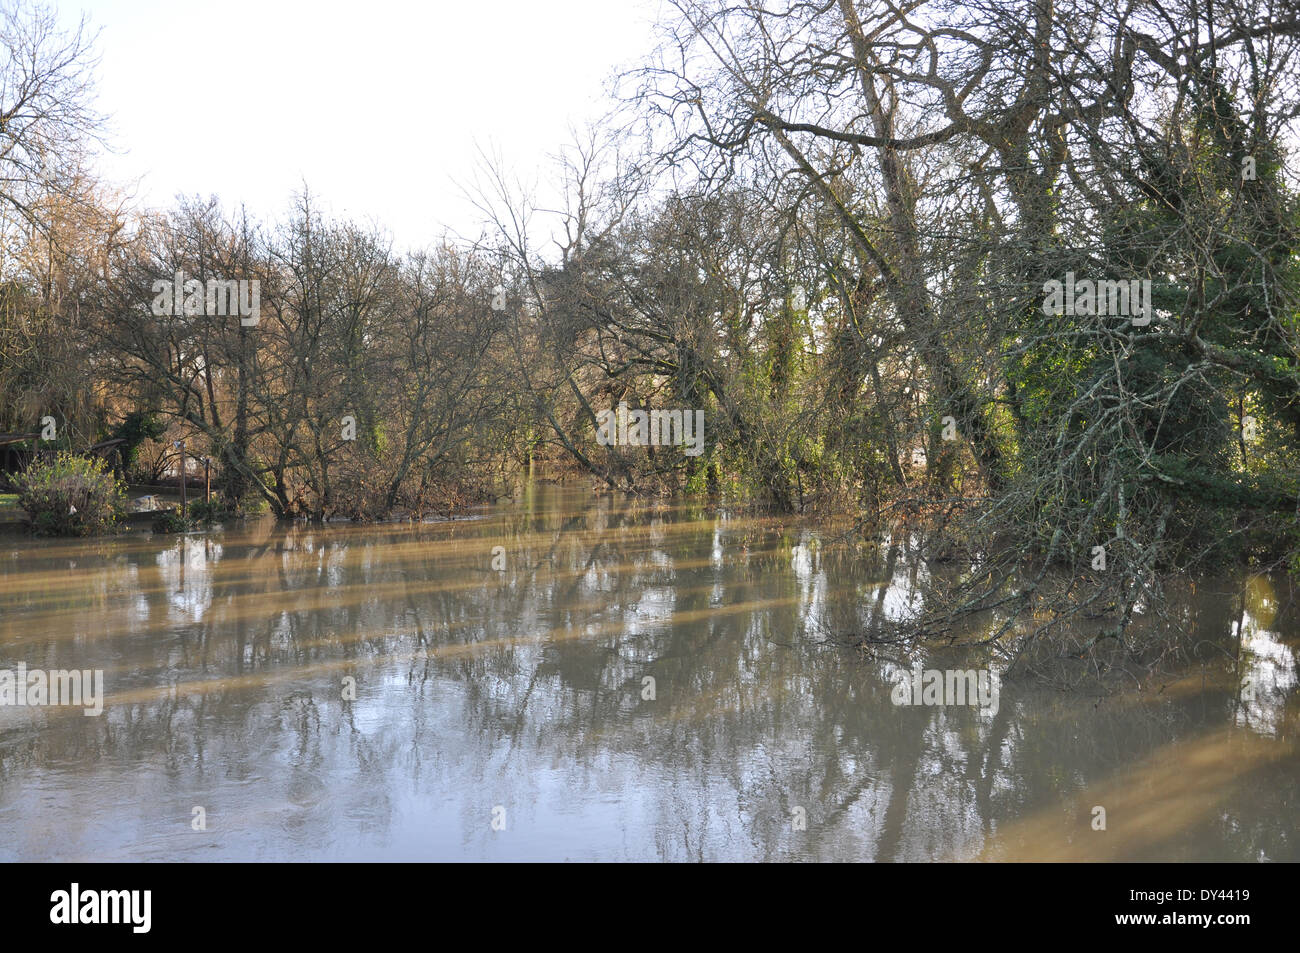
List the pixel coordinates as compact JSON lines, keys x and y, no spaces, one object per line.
{"x":103,"y":906}
{"x":79,"y":688}
{"x":654,"y":428}
{"x":218,"y":298}
{"x":948,"y":687}
{"x":1106,"y":297}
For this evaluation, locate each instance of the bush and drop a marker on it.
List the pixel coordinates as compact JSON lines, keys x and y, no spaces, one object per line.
{"x":171,"y":521}
{"x":206,"y":514}
{"x":71,"y":496}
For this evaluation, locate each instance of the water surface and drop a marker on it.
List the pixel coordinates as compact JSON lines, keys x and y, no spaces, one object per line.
{"x":520,"y":695}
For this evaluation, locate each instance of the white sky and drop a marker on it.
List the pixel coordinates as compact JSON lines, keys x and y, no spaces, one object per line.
{"x":378,"y":105}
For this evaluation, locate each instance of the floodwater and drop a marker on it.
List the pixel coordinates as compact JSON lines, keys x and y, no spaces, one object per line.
{"x":386,"y":692}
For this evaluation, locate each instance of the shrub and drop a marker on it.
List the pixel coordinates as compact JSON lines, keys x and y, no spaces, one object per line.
{"x":71,"y":496}
{"x":211,"y":512}
{"x":171,"y":521}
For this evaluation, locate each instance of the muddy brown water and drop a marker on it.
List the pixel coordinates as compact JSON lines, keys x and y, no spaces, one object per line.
{"x":505,"y":714}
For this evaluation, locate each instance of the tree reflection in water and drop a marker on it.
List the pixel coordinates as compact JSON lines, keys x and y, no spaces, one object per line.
{"x":224,"y":659}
